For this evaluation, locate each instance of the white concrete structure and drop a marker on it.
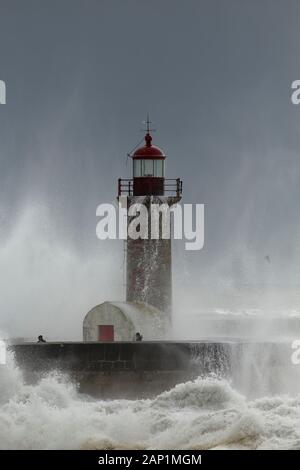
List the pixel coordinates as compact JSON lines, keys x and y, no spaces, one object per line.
{"x":119,"y":321}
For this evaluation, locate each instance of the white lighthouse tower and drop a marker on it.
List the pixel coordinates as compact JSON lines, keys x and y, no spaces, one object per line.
{"x":148,"y":261}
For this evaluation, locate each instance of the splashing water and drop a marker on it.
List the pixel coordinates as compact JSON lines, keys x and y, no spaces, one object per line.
{"x":202,"y":414}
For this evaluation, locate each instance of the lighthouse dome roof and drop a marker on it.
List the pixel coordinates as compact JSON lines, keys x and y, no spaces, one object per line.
{"x":149,"y":151}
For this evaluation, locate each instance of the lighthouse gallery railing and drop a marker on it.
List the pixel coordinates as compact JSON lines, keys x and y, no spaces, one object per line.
{"x":172,"y":187}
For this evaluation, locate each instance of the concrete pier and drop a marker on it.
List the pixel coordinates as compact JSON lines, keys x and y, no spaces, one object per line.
{"x":141,"y":370}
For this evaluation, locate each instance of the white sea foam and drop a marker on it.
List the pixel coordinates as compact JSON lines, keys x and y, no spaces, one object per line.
{"x":203,"y":414}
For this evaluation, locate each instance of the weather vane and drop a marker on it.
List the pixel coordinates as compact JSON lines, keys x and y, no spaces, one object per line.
{"x":147,"y":123}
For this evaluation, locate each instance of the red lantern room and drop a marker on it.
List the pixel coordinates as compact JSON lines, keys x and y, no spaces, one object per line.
{"x":148,"y":169}
{"x":149,"y":173}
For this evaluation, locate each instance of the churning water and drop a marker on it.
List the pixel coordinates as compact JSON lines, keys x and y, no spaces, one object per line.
{"x":204,"y":414}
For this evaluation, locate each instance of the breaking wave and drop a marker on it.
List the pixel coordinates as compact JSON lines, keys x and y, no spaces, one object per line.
{"x":202,"y":414}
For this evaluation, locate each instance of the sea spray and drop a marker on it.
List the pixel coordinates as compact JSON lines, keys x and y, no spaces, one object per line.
{"x":201,"y":414}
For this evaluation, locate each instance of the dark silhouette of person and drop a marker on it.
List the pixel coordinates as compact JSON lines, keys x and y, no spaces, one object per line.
{"x":138,"y":337}
{"x":41,"y":339}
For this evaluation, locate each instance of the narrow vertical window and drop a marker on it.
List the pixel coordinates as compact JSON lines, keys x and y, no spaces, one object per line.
{"x":148,"y":168}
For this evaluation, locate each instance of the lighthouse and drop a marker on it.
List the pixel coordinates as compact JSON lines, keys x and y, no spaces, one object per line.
{"x":148,"y":304}
{"x":148,"y":260}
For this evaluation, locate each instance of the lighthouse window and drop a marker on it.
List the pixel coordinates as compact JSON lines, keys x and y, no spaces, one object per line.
{"x":159,"y":168}
{"x":148,"y":168}
{"x":137,"y":168}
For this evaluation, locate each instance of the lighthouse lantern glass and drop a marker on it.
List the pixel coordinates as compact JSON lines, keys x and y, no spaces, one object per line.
{"x":159,"y":168}
{"x":137,"y":168}
{"x":148,"y":168}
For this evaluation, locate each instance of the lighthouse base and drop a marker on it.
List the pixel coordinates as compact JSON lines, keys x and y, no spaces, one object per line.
{"x":143,"y":370}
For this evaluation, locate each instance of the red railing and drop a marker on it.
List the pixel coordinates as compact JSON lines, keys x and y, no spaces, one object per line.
{"x":172,"y":187}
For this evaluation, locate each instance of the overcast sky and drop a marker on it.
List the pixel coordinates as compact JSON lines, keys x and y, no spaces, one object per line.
{"x":215,"y":77}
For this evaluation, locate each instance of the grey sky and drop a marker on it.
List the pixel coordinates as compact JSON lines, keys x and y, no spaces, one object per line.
{"x":215,"y":77}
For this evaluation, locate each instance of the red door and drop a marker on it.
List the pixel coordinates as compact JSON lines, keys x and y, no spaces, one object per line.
{"x":106,"y":332}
